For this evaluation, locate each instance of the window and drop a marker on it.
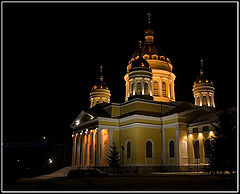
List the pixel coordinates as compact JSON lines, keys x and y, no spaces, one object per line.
{"x":198,"y":101}
{"x":154,"y":56}
{"x":207,"y":148}
{"x":164,"y":89}
{"x":149,"y":149}
{"x":162,"y":58}
{"x":128,"y":149}
{"x":196,"y":149}
{"x":195,"y":130}
{"x":171,"y":149}
{"x":146,"y":88}
{"x":139,"y":88}
{"x":170,"y":91}
{"x":210,"y":100}
{"x":146,"y":56}
{"x":155,"y":88}
{"x":205,"y":128}
{"x":131,"y":89}
{"x":204,"y":101}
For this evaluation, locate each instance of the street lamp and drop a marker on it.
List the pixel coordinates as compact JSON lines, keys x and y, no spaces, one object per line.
{"x":50,"y":161}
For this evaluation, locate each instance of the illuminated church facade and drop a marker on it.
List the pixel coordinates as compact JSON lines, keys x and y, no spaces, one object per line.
{"x":150,"y":129}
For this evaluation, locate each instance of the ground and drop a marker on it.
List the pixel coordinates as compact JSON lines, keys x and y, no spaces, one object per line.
{"x":132,"y":182}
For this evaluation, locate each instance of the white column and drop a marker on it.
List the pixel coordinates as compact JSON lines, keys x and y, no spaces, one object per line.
{"x":134,"y":87}
{"x":163,"y":146}
{"x":86,"y":150}
{"x":213,"y":103}
{"x":142,"y":87}
{"x":177,"y":144}
{"x":200,"y":97}
{"x":208,"y":102}
{"x":173,"y":90}
{"x":98,"y":145}
{"x":110,"y":132}
{"x":160,"y":87}
{"x":78,"y":150}
{"x":82,"y":150}
{"x":150,"y":88}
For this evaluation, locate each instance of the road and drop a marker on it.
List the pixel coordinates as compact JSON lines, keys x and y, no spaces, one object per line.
{"x":147,"y":182}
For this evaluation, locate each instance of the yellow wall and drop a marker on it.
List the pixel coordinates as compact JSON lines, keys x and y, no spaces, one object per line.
{"x":140,"y":106}
{"x":138,"y":137}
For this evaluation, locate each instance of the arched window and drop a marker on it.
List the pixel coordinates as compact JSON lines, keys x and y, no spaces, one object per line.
{"x":139,"y":88}
{"x":155,"y":88}
{"x":149,"y":149}
{"x":164,"y":89}
{"x":207,"y":148}
{"x":131,"y":93}
{"x":128,"y":149}
{"x":210,"y":100}
{"x":204,"y":100}
{"x":171,"y":149}
{"x":146,"y":88}
{"x":170,"y":91}
{"x":198,"y":101}
{"x":196,"y":149}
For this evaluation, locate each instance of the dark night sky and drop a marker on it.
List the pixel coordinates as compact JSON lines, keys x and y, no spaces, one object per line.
{"x":51,"y":52}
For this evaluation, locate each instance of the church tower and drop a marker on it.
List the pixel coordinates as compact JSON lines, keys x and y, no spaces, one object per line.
{"x":162,"y":85}
{"x":100,"y":92}
{"x":203,"y":90}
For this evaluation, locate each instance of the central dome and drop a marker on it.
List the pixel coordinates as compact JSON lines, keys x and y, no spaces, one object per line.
{"x":150,"y":49}
{"x":152,"y":53}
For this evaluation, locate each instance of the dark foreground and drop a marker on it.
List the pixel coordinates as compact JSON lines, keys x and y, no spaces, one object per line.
{"x":132,"y":183}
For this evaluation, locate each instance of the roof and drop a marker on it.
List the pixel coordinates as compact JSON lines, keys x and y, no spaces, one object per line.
{"x":100,"y":85}
{"x":150,"y":49}
{"x":209,"y":117}
{"x":98,"y":110}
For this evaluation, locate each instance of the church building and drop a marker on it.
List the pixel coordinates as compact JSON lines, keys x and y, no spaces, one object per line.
{"x":151,"y":130}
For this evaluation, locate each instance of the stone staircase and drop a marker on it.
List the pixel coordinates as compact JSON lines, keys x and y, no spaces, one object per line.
{"x":57,"y":174}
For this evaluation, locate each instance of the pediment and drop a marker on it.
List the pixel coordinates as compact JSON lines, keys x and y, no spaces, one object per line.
{"x":82,"y":118}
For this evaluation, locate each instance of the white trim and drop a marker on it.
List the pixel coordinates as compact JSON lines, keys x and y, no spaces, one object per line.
{"x":177,"y":144}
{"x":163,"y":146}
{"x":143,"y":125}
{"x":169,"y":117}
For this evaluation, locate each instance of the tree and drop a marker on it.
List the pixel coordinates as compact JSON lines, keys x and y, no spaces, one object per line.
{"x":113,"y":156}
{"x":223,"y":155}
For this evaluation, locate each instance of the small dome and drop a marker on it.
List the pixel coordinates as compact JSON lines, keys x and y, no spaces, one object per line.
{"x":148,"y":31}
{"x":100,"y":85}
{"x":202,"y":78}
{"x":140,"y":62}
